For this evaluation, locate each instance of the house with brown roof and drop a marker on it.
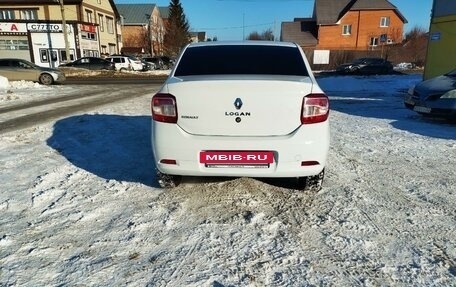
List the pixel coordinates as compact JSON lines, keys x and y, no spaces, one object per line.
{"x":347,"y":25}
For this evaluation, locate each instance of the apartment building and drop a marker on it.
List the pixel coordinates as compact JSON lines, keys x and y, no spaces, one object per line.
{"x":34,"y":30}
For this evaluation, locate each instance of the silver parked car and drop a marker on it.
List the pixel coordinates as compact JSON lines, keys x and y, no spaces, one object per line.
{"x":19,"y":69}
{"x":436,"y":96}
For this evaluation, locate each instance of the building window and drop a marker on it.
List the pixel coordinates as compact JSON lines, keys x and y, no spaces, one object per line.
{"x":7,"y":15}
{"x":88,"y":36}
{"x":14,"y":45}
{"x":89,"y":16}
{"x":110,"y":25}
{"x":101,"y":22}
{"x":112,"y":49}
{"x":63,"y":55}
{"x":29,"y":15}
{"x":384,"y":22}
{"x":373,"y":42}
{"x":346,"y":30}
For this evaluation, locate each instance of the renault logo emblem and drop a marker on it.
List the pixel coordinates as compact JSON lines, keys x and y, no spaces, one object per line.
{"x":238,"y":103}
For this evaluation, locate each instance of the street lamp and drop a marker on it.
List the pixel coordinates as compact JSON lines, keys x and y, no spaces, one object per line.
{"x":65,"y":31}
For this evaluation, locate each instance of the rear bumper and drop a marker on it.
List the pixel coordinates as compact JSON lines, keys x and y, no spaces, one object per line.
{"x":307,"y":143}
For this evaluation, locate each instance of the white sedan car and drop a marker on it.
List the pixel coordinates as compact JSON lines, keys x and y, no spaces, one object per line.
{"x":241,"y":109}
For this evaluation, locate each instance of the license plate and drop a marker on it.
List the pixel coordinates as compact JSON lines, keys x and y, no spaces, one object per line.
{"x":422,"y":109}
{"x":236,"y":157}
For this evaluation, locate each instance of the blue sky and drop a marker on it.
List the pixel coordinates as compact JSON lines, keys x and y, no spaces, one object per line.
{"x":236,"y":19}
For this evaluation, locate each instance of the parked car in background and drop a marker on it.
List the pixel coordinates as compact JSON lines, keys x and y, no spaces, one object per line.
{"x":155,"y":62}
{"x":253,"y":109}
{"x":126,"y":63}
{"x":122,"y":63}
{"x":160,"y":62}
{"x":147,"y":66}
{"x":136,"y":63}
{"x":435,"y":97}
{"x":366,"y":66}
{"x":168,"y":63}
{"x":91,"y":63}
{"x":19,"y":69}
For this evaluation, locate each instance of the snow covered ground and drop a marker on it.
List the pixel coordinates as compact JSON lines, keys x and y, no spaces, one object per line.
{"x":79,"y":205}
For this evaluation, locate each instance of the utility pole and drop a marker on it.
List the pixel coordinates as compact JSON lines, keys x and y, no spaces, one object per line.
{"x":243,"y":26}
{"x":65,"y":31}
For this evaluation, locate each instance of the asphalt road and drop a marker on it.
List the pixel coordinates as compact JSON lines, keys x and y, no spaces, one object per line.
{"x":90,"y":94}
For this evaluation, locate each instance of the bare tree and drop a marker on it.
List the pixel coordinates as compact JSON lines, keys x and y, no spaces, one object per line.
{"x":267,"y":35}
{"x":415,"y":45}
{"x":139,"y":38}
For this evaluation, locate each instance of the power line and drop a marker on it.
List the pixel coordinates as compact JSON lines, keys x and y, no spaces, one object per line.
{"x":236,"y":27}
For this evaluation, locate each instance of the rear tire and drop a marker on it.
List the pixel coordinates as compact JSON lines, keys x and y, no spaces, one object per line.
{"x":46,"y":79}
{"x":168,"y":180}
{"x":311,"y":183}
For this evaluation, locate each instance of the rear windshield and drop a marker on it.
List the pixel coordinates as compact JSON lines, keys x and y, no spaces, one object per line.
{"x":241,"y":60}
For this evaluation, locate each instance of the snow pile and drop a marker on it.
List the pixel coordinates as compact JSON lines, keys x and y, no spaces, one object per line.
{"x":4,"y":83}
{"x":16,"y":92}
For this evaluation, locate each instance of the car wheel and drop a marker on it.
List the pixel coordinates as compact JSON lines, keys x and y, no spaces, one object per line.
{"x":46,"y":79}
{"x":122,"y":70}
{"x":312,"y":183}
{"x":168,"y":180}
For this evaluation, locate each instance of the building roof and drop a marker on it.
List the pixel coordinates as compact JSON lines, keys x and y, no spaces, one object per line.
{"x":136,"y":14}
{"x":372,"y":4}
{"x":328,"y":12}
{"x":301,"y":32}
{"x":164,"y":12}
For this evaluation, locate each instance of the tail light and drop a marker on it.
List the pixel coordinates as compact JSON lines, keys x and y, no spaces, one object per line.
{"x":315,"y":109}
{"x":164,"y":108}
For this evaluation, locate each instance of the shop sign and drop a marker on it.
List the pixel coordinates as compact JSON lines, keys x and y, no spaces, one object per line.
{"x":46,"y":28}
{"x":88,"y":28}
{"x":13,"y":28}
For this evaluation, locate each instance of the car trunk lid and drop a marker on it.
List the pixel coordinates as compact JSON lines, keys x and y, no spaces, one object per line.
{"x":240,"y":106}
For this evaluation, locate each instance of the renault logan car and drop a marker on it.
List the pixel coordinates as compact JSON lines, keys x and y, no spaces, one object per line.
{"x":19,"y":69}
{"x":434,"y":97}
{"x":241,"y":109}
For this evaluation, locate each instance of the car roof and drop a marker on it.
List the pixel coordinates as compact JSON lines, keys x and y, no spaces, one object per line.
{"x":243,"y":43}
